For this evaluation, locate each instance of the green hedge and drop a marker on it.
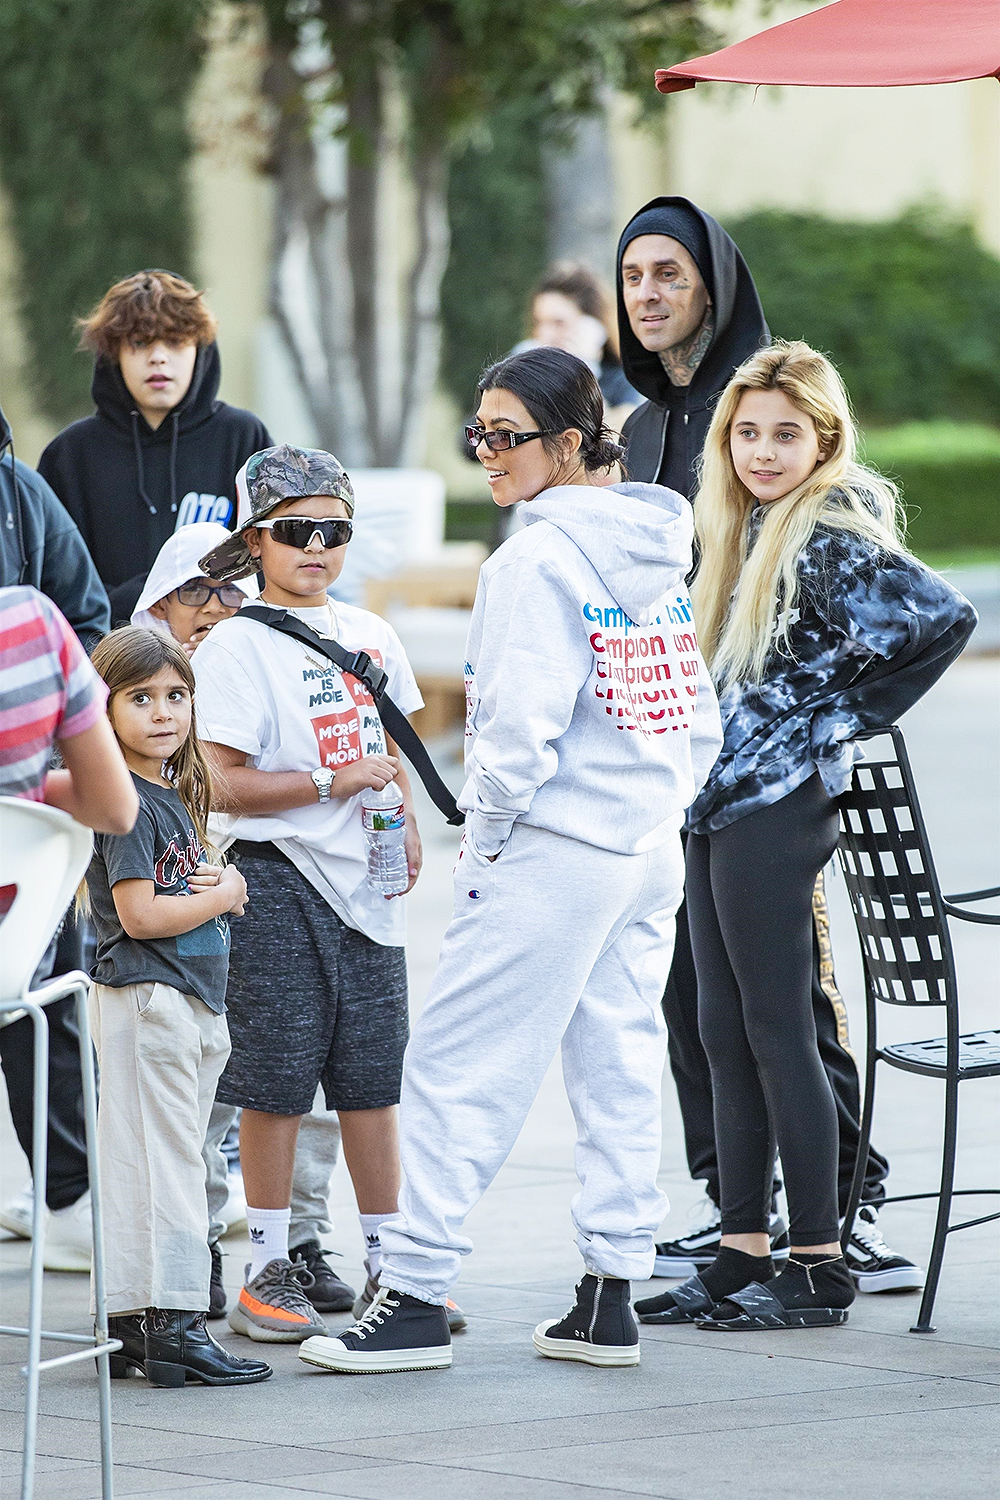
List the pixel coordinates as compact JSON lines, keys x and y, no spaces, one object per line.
{"x":94,"y":157}
{"x":949,"y":473}
{"x":908,"y":309}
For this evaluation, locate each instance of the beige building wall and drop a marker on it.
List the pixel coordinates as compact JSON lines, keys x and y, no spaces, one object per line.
{"x":847,"y":153}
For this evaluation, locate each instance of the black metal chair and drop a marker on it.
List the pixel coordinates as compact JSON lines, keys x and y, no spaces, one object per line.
{"x":902,"y":922}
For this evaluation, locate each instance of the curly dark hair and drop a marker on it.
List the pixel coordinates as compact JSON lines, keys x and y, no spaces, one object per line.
{"x":147,"y":306}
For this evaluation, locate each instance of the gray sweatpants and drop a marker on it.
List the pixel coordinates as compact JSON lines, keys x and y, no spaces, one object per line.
{"x":315,"y":1158}
{"x":554,"y":943}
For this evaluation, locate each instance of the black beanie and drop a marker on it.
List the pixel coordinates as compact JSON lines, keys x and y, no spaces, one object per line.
{"x":682,"y":224}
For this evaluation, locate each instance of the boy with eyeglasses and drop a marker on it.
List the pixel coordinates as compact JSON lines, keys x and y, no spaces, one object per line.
{"x":317,"y":980}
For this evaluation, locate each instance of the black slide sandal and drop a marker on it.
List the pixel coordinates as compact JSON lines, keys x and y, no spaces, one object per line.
{"x":762,"y":1310}
{"x":682,"y":1304}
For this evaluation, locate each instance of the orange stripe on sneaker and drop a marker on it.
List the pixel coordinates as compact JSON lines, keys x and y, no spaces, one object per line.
{"x":265,"y":1310}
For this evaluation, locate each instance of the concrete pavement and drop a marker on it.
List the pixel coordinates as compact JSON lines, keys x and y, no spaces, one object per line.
{"x":866,"y":1409}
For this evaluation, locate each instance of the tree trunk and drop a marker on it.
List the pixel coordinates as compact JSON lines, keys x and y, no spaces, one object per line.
{"x":361,"y":327}
{"x":423,"y":333}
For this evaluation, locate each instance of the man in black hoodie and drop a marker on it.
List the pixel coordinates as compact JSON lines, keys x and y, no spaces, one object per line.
{"x":161,"y":450}
{"x":688,"y":316}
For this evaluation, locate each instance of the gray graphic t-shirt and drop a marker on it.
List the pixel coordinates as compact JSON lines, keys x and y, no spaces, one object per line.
{"x":162,"y":847}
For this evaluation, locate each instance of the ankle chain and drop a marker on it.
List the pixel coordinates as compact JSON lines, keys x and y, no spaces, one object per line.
{"x":801,"y":1266}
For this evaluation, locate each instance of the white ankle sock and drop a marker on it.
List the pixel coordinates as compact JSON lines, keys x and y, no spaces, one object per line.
{"x":268,"y":1229}
{"x":373,"y":1245}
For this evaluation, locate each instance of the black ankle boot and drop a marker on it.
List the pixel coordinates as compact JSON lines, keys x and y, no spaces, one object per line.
{"x":132,"y":1355}
{"x":599,"y":1330}
{"x":179,"y":1346}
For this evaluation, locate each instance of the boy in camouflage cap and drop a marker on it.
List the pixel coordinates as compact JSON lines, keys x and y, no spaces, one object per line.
{"x":266,"y":480}
{"x":317,"y":978}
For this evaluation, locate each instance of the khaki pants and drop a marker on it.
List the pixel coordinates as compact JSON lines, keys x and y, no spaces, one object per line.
{"x":161,"y":1054}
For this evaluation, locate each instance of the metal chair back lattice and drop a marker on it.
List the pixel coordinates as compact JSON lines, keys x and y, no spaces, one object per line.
{"x":902,"y":920}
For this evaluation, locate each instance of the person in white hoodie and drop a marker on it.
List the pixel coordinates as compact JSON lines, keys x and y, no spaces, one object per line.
{"x":592,"y":726}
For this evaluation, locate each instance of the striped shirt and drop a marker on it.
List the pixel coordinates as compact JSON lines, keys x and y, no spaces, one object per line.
{"x":48,"y":689}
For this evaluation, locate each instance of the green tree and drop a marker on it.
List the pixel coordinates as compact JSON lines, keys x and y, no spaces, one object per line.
{"x":909,"y":309}
{"x":404,"y":86}
{"x":94,"y":159}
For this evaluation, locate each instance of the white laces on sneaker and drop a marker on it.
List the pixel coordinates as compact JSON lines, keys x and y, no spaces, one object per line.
{"x":705,"y":1216}
{"x":373,"y":1315}
{"x":867,"y":1234}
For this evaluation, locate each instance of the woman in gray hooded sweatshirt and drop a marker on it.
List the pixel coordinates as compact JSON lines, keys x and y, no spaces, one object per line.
{"x":592,"y":726}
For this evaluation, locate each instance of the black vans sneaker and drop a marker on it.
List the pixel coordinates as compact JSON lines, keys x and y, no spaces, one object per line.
{"x":326,"y":1292}
{"x":873,"y":1265}
{"x":599,"y":1330}
{"x":398,"y":1332}
{"x":695,"y":1252}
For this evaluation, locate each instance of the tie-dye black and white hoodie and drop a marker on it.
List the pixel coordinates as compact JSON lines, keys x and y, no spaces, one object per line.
{"x":871,"y":631}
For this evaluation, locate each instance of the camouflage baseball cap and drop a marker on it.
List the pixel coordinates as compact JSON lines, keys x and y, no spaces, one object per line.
{"x":268,"y":479}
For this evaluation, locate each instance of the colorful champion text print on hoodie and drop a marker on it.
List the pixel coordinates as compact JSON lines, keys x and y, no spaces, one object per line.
{"x":870,"y":633}
{"x":590,"y":713}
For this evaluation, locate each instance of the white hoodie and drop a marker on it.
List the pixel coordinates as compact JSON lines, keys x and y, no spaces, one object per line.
{"x":590,"y":712}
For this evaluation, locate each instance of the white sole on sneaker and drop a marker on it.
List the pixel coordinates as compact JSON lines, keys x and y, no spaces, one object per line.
{"x":240,"y":1323}
{"x":899,"y":1279}
{"x":331,"y":1354}
{"x":587,"y":1354}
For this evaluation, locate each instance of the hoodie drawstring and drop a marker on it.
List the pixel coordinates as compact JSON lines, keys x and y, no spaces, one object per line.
{"x":138,"y":463}
{"x":173,"y":463}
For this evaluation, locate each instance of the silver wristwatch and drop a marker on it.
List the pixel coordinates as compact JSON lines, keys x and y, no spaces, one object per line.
{"x":322,"y":780}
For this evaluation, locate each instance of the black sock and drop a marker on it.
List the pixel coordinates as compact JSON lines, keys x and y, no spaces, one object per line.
{"x":806,"y":1281}
{"x":814,"y":1281}
{"x":732,"y":1270}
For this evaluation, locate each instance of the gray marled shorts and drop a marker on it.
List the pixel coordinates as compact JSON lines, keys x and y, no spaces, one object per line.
{"x":310,"y":1000}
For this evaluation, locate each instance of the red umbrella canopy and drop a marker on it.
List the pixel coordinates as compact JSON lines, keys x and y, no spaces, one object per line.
{"x":859,"y":44}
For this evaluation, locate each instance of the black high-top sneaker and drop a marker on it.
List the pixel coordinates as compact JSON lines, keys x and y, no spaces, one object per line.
{"x":132,"y":1355}
{"x":179,"y":1347}
{"x":397,"y":1332}
{"x":599,"y":1330}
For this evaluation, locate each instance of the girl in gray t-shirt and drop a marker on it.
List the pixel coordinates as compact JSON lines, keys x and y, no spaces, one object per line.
{"x":161,"y":911}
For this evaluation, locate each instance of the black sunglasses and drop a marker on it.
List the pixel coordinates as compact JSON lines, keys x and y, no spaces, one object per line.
{"x":298,"y":531}
{"x":196,"y":591}
{"x":497,"y":442}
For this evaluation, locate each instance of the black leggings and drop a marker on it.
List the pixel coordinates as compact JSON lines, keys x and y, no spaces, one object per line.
{"x":749,"y":894}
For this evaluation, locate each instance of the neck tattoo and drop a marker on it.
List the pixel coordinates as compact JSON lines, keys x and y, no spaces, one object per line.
{"x":682,"y":361}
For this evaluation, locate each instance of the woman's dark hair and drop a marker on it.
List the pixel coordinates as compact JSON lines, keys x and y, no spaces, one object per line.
{"x":558,"y":391}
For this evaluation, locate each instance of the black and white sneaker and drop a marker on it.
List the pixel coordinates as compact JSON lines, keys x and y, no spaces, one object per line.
{"x":873,"y":1265}
{"x":398,"y":1332}
{"x":693,"y":1252}
{"x":600,"y":1329}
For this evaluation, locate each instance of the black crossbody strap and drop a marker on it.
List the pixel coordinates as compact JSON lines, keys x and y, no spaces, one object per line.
{"x":359,"y":664}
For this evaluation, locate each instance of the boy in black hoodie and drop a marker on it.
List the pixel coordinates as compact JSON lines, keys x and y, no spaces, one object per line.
{"x":688,"y":316}
{"x":161,"y":450}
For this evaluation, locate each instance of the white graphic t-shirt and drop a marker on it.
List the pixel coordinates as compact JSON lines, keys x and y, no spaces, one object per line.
{"x":289,"y":709}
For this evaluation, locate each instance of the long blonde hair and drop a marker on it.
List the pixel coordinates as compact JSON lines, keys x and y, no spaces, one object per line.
{"x":743,"y":603}
{"x":132,"y":655}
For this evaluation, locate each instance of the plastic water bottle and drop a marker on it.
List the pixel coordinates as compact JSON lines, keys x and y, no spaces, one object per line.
{"x":384,"y":820}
